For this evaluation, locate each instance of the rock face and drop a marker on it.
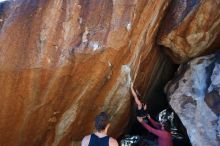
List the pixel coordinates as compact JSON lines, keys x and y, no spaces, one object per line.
{"x":64,"y":61}
{"x":195,"y":96}
{"x":190,"y":28}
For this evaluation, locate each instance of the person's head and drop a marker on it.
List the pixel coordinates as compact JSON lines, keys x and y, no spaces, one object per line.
{"x":166,"y":126}
{"x":143,"y":102}
{"x":102,"y":122}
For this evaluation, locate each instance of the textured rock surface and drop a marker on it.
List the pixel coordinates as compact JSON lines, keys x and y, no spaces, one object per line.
{"x":63,"y":61}
{"x":195,"y":96}
{"x":190,"y":28}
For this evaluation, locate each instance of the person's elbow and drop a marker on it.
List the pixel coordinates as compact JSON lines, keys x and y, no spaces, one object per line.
{"x":113,"y":142}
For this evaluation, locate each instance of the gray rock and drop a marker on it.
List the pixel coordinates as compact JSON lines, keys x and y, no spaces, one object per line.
{"x":195,"y":96}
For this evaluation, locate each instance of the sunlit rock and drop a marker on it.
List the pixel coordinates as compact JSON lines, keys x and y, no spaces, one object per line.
{"x":195,"y":96}
{"x":190,"y":28}
{"x":64,"y":61}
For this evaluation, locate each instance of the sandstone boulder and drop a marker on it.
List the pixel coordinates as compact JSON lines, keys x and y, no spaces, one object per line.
{"x":191,"y":27}
{"x":64,"y":61}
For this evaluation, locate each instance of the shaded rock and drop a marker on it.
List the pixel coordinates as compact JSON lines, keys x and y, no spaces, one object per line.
{"x":4,"y":6}
{"x":178,"y":131}
{"x":191,"y":27}
{"x":62,"y":62}
{"x":194,"y":96}
{"x":213,"y":101}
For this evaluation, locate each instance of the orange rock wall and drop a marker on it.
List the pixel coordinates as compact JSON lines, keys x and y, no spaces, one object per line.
{"x":191,"y":27}
{"x":64,"y":61}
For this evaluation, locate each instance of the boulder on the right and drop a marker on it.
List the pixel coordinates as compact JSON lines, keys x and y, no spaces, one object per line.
{"x":190,"y":28}
{"x":194,"y":94}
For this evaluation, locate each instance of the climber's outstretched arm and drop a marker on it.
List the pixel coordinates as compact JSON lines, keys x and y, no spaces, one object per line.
{"x":138,"y":102}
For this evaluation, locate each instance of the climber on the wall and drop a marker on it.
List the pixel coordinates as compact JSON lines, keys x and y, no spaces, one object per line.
{"x":141,"y":106}
{"x":100,"y":137}
{"x":161,"y":130}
